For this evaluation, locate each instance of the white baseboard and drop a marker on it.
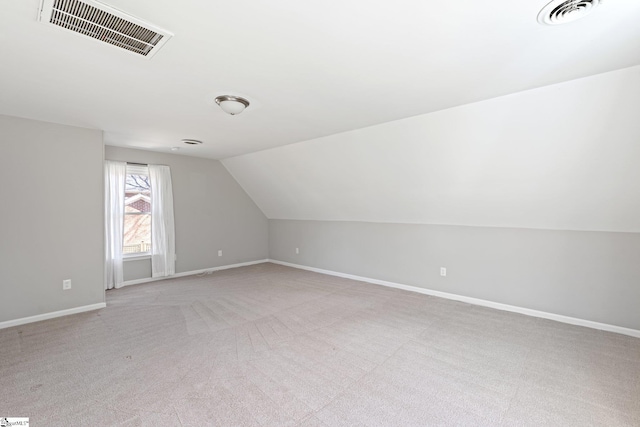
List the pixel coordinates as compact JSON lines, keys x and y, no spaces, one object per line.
{"x":475,"y":301}
{"x":191,"y":273}
{"x":45,"y":316}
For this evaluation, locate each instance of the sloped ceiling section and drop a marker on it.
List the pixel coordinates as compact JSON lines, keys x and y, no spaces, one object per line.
{"x":565,"y":156}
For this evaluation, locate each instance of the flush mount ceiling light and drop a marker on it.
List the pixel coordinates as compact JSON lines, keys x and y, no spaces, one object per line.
{"x":564,"y":11}
{"x":232,"y":104}
{"x":191,"y":142}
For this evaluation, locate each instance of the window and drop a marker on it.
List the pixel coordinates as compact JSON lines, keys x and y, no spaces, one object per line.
{"x":137,"y":211}
{"x":135,"y":217}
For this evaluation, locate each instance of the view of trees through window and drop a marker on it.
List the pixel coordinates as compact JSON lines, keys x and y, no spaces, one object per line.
{"x":137,"y":214}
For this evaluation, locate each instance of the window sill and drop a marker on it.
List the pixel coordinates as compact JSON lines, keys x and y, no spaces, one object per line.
{"x":136,"y":257}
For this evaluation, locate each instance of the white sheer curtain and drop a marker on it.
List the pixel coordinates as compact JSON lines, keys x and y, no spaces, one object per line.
{"x":114,"y":180}
{"x":163,"y":240}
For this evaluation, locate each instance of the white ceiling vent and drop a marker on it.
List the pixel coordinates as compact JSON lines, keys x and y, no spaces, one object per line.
{"x":564,"y":11}
{"x":192,"y":141}
{"x":104,"y":23}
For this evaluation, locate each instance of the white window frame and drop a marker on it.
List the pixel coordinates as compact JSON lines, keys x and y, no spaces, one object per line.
{"x":137,"y":170}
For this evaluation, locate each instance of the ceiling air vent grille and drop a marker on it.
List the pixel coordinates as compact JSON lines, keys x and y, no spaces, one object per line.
{"x":564,"y":11}
{"x":192,"y":141}
{"x":104,"y":23}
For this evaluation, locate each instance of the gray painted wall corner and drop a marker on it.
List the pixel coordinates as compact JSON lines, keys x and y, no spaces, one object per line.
{"x":212,"y":212}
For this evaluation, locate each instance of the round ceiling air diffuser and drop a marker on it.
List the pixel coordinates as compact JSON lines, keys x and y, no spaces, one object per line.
{"x":192,"y":141}
{"x":563,"y":11}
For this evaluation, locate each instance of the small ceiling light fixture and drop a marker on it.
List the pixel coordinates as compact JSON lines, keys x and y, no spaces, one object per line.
{"x":192,"y":141}
{"x":232,"y":104}
{"x":564,"y":11}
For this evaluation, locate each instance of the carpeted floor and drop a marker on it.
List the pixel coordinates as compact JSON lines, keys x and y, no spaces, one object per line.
{"x":268,"y":345}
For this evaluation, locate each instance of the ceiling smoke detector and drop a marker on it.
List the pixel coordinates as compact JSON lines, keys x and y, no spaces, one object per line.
{"x":104,"y":23}
{"x":563,"y":11}
{"x":191,"y":141}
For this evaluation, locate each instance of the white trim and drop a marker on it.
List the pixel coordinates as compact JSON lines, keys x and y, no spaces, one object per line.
{"x":136,"y":256}
{"x":474,"y":301}
{"x":191,"y":273}
{"x":51,"y":315}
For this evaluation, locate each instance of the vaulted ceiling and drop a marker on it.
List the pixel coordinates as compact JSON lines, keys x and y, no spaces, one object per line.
{"x":310,"y":68}
{"x":563,"y":156}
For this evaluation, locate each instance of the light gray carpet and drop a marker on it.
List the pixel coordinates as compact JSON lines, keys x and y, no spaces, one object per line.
{"x":268,"y":345}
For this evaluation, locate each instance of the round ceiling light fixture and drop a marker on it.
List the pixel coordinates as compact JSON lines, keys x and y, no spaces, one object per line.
{"x":232,"y":104}
{"x":192,"y":141}
{"x":563,"y":11}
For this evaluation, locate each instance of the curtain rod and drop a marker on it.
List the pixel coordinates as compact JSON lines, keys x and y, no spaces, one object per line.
{"x":137,"y":164}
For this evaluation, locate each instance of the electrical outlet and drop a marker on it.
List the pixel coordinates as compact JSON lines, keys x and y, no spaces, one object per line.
{"x":443,"y":271}
{"x":297,"y":251}
{"x":220,"y":252}
{"x":66,"y":284}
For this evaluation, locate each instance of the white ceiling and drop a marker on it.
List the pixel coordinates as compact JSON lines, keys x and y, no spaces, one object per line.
{"x":310,"y":68}
{"x":563,"y":156}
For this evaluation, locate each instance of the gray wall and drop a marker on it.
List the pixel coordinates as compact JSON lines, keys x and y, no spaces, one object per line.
{"x":212,"y":212}
{"x":51,"y":186}
{"x":583,"y":274}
